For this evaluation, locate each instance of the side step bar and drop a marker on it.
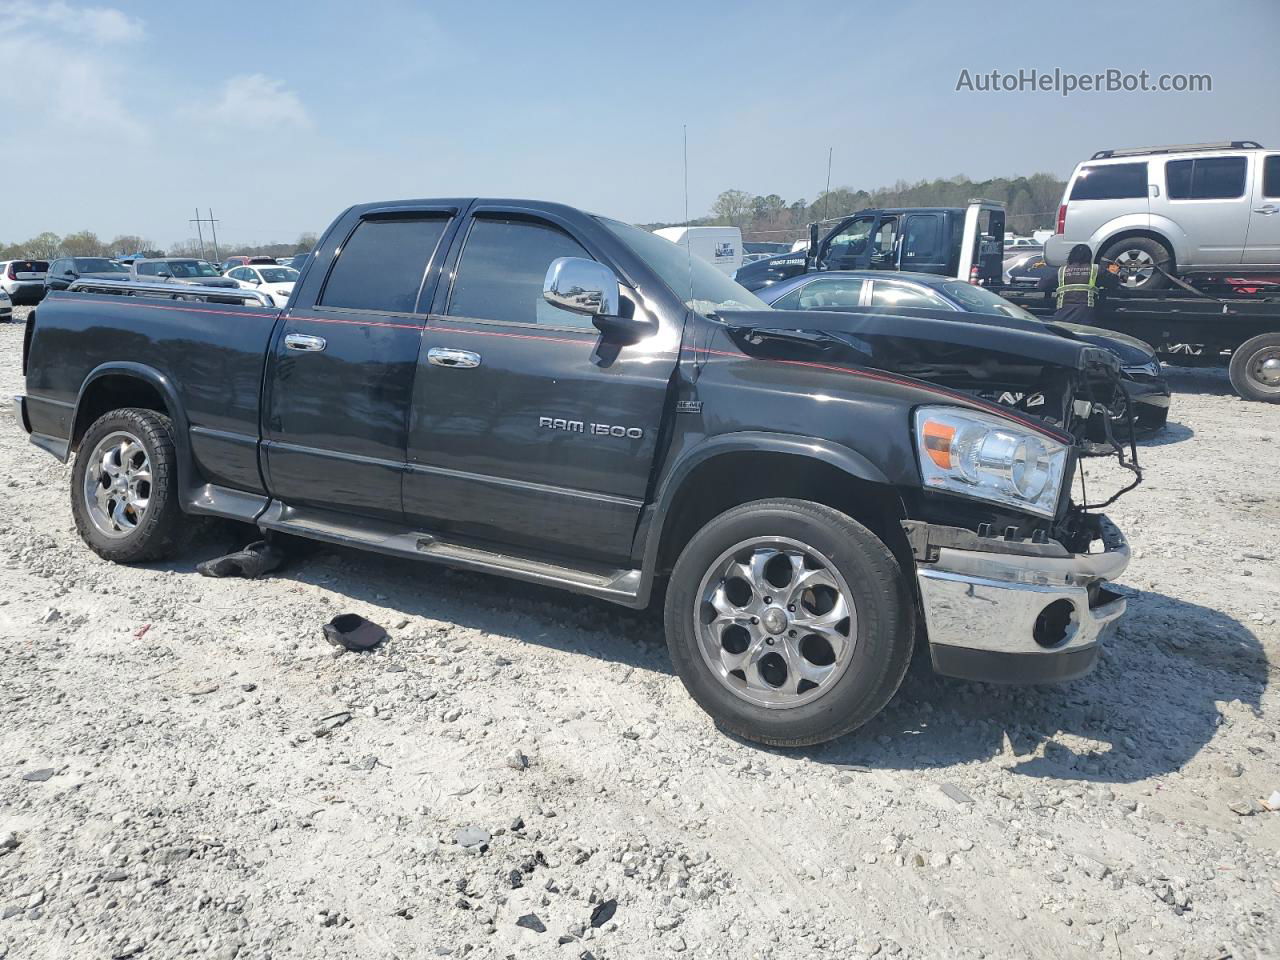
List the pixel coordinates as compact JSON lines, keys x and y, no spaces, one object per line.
{"x":619,"y":586}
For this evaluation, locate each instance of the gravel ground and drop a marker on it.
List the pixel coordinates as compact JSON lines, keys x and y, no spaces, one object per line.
{"x":187,"y":770}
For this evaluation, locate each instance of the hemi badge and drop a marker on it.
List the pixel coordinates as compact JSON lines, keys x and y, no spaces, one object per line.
{"x":688,"y":406}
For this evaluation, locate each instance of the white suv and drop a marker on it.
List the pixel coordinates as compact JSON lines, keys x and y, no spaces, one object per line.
{"x":23,"y":280}
{"x":1200,"y":208}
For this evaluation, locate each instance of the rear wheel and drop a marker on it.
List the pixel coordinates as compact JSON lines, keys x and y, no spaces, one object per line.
{"x":1138,"y":258}
{"x":124,"y":487}
{"x":789,"y":622}
{"x":1255,"y":368}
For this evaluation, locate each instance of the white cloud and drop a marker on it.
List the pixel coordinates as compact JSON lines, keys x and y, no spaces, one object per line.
{"x":261,"y":102}
{"x":65,"y":63}
{"x":105,"y":25}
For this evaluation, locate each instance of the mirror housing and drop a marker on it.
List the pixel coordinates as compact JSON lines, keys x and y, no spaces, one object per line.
{"x":584,"y":286}
{"x":581,"y":286}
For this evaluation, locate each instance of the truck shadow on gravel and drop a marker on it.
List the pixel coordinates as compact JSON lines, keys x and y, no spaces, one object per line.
{"x":1148,"y":709}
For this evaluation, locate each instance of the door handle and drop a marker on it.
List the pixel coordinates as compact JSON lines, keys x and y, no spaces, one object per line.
{"x":303,"y":342}
{"x":1267,"y":209}
{"x":449,"y":357}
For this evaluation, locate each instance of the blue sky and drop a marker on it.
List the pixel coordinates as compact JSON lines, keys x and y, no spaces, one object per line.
{"x":122,"y":118}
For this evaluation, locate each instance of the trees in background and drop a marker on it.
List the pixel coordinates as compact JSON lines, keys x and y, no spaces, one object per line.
{"x":1031,"y":203}
{"x":85,"y":243}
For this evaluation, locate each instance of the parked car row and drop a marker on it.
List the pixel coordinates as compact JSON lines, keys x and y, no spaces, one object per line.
{"x":27,"y":281}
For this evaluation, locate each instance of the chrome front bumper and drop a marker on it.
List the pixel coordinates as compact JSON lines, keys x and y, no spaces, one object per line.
{"x":1021,"y":618}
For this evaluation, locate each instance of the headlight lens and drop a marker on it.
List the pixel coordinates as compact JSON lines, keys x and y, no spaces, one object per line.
{"x":987,"y":457}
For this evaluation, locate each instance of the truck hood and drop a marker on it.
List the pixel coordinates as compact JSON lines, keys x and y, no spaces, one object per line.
{"x":1027,"y":367}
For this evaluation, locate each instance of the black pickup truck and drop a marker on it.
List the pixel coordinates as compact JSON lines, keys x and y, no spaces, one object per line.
{"x":524,"y":389}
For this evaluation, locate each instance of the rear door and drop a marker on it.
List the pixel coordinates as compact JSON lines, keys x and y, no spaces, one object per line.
{"x":335,"y":416}
{"x":1262,"y":247}
{"x":527,"y":429}
{"x":1105,"y":191}
{"x":924,"y":246}
{"x":1208,"y":198}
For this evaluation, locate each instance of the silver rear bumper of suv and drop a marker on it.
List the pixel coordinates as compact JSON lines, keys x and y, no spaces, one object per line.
{"x":1015,"y":617}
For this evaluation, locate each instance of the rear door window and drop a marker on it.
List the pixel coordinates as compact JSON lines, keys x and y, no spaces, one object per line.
{"x":1206,"y":178}
{"x":1271,"y":176}
{"x":921,"y":242}
{"x":503,"y":266}
{"x":1111,"y":181}
{"x":382,"y":264}
{"x":889,"y":294}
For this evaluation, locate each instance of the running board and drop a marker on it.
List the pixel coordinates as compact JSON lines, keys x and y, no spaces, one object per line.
{"x":619,"y":586}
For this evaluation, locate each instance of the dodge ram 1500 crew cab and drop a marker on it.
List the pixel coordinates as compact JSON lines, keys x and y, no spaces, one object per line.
{"x":525,"y":389}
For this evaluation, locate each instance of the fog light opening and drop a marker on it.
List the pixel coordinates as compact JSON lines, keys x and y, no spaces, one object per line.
{"x":1056,"y":624}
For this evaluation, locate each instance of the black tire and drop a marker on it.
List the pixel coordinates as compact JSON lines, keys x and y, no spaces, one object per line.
{"x":882,"y":642}
{"x":1124,"y":251}
{"x":1246,"y":368}
{"x":155,"y":535}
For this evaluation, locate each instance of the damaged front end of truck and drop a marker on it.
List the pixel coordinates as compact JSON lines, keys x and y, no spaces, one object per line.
{"x":1011,"y":587}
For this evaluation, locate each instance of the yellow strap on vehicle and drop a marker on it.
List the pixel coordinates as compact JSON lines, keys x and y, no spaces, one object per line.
{"x":1089,"y":289}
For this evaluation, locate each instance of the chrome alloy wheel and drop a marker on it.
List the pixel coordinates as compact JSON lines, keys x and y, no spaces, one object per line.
{"x":117,"y":484}
{"x":1136,"y":267}
{"x":776,"y":622}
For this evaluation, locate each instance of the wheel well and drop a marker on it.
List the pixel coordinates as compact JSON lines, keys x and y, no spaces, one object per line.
{"x":731,"y":479}
{"x":1131,"y":234}
{"x":114,"y":392}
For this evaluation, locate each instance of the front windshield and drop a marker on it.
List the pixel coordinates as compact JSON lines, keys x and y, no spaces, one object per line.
{"x":702,"y":287}
{"x":98,"y":265}
{"x":278,"y":274}
{"x":980,"y":300}
{"x":191,"y":268}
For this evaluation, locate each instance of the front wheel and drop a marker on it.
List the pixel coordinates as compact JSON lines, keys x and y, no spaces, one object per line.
{"x":789,"y":622}
{"x":1255,"y":368}
{"x":124,"y":492}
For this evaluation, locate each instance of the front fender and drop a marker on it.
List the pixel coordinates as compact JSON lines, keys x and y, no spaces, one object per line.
{"x":837,"y":455}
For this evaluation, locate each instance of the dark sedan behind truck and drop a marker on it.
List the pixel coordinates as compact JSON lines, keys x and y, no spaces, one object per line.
{"x":525,"y":389}
{"x":1146,"y":387}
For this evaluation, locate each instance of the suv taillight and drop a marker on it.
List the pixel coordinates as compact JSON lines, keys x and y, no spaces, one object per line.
{"x":13,"y":273}
{"x":1062,"y":219}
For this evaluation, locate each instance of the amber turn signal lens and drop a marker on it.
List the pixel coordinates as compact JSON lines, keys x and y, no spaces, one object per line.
{"x":937,"y":442}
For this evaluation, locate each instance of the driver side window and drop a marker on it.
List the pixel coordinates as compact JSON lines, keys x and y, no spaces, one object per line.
{"x":849,"y":244}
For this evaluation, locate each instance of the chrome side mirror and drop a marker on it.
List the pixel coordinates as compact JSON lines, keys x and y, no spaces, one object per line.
{"x":581,"y":286}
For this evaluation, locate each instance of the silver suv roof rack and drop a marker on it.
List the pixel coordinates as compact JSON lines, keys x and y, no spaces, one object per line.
{"x":1179,"y":148}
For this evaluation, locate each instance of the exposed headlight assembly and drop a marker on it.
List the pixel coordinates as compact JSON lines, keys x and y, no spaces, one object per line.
{"x":987,"y":457}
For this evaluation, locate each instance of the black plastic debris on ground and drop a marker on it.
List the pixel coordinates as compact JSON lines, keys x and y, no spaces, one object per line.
{"x":353,"y":632}
{"x":603,"y":912}
{"x":530,"y":921}
{"x":253,"y":561}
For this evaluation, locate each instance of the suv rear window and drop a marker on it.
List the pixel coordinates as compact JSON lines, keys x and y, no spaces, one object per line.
{"x":30,"y":266}
{"x":1111,"y":181}
{"x":1206,"y":178}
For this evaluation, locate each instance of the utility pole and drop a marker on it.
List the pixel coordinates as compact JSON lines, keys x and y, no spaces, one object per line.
{"x":213,"y":226}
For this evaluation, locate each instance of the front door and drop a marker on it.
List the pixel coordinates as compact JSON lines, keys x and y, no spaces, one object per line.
{"x":341,"y":378}
{"x":527,"y":429}
{"x":847,"y":248}
{"x":1262,"y":248}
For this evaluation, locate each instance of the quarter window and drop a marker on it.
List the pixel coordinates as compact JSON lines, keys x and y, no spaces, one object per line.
{"x":382,"y":264}
{"x":1111,"y":181}
{"x":503,"y":266}
{"x":1206,"y":178}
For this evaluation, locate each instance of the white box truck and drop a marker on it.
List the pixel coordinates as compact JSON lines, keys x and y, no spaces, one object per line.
{"x":719,"y":246}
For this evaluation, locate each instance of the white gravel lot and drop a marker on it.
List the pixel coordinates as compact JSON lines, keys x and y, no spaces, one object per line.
{"x":170,"y":785}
